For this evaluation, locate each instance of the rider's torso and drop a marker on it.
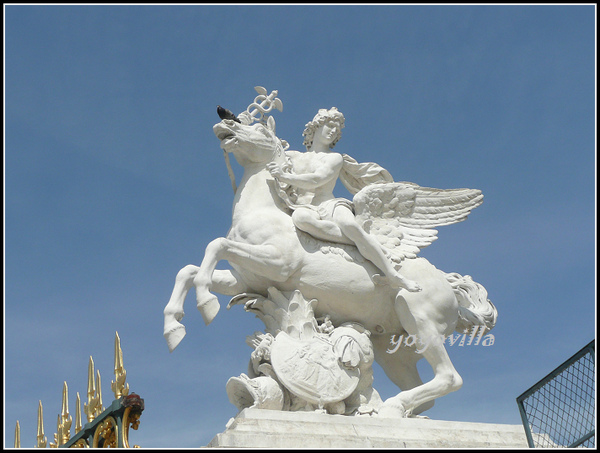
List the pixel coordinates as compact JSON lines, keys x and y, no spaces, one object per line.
{"x":310,"y":163}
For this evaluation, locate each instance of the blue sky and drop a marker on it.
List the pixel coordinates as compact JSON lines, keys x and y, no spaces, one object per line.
{"x":114,"y":181}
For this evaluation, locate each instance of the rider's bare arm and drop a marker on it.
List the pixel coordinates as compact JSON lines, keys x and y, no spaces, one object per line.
{"x":312,"y":174}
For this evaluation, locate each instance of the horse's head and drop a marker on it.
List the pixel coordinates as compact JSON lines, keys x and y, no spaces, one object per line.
{"x":254,"y":143}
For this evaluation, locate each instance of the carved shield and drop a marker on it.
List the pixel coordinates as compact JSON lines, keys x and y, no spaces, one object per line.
{"x":311,"y":370}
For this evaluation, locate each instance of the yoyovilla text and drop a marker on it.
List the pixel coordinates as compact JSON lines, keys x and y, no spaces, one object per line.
{"x":475,"y":338}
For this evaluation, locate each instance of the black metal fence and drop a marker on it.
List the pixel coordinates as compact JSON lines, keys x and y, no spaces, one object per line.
{"x":560,"y":410}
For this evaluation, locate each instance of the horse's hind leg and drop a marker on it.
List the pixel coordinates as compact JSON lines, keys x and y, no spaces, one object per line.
{"x":446,"y":379}
{"x":400,"y":367}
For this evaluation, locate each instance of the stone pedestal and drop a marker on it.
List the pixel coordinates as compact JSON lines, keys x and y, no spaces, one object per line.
{"x":259,"y":428}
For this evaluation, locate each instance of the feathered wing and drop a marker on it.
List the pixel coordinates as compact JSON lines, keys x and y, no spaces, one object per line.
{"x":402,"y":215}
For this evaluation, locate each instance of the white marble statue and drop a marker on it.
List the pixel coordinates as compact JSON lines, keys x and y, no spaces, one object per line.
{"x":359,"y":261}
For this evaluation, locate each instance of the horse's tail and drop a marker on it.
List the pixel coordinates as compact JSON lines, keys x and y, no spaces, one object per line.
{"x":474,"y":308}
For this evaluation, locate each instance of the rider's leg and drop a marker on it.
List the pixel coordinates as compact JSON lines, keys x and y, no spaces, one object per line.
{"x":310,"y":222}
{"x":369,"y":248}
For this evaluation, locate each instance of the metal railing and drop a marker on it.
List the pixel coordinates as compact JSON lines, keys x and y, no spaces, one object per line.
{"x":560,"y":410}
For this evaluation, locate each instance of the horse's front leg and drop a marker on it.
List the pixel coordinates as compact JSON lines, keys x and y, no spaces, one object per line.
{"x":173,"y":330}
{"x":264,"y":260}
{"x":224,"y":282}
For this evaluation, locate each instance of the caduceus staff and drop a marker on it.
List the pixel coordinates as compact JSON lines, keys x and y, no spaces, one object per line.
{"x":262,"y":105}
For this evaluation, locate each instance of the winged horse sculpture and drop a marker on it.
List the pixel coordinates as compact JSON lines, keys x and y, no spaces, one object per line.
{"x":265,"y":250}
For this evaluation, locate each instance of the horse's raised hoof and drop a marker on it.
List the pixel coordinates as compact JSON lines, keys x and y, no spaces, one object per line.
{"x":209,"y":309}
{"x":174,"y":336}
{"x":392,"y":410}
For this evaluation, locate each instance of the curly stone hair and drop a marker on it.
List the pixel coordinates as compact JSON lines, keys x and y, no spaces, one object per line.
{"x":321,"y":118}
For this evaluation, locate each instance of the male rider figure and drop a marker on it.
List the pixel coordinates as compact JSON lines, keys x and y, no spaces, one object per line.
{"x":317,"y":211}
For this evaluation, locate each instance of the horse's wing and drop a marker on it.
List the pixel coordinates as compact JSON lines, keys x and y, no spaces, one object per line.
{"x":402,"y":215}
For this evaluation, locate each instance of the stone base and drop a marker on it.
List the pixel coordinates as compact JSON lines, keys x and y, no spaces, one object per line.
{"x":260,"y":428}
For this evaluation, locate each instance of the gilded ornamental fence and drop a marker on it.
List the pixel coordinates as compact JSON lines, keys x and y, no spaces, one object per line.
{"x":105,"y":427}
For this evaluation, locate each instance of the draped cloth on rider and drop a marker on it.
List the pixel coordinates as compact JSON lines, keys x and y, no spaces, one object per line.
{"x":355,"y":175}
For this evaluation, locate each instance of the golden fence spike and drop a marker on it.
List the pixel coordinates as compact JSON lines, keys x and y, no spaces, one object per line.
{"x":78,"y":425}
{"x":58,"y":434}
{"x":65,"y":401}
{"x":118,"y":352}
{"x":90,"y":407}
{"x":66,"y":419}
{"x":118,"y":385}
{"x":41,"y":439}
{"x":99,"y":407}
{"x":17,"y":435}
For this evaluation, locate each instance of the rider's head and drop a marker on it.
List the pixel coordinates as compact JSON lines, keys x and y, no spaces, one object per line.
{"x":322,"y":117}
